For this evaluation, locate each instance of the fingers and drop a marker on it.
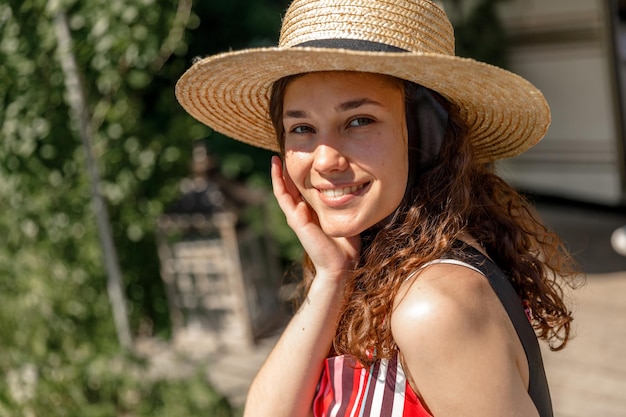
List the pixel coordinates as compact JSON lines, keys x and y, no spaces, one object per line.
{"x":330,"y":254}
{"x":276,"y":173}
{"x":291,"y":186}
{"x":279,"y":185}
{"x":285,"y":191}
{"x":282,"y":183}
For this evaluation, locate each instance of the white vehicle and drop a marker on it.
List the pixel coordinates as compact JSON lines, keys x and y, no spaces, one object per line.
{"x":575,"y":52}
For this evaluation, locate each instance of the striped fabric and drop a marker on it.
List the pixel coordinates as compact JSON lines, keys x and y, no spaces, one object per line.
{"x":348,"y":389}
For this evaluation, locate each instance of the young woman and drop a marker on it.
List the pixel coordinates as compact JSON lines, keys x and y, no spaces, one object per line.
{"x":427,"y":278}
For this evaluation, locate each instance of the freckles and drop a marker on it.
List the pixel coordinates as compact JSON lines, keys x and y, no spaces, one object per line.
{"x":293,"y":158}
{"x":297,"y":166}
{"x":295,"y":154}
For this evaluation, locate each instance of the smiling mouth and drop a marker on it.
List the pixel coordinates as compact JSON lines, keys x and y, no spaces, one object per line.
{"x":340,"y":192}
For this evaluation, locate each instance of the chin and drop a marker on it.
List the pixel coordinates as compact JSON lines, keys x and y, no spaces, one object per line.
{"x":341,"y":232}
{"x":344,"y":230}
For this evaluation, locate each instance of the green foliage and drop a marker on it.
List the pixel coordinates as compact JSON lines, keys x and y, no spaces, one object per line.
{"x":56,"y":324}
{"x":60,"y":355}
{"x":103,"y":386}
{"x":479,"y":33}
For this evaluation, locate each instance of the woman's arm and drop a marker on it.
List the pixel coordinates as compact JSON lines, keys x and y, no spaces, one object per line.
{"x":286,"y":383}
{"x":461,"y":350}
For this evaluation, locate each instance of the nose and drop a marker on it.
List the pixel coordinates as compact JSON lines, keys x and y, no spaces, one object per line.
{"x":328,"y":158}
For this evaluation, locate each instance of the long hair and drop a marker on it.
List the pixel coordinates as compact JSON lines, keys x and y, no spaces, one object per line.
{"x":453,"y":195}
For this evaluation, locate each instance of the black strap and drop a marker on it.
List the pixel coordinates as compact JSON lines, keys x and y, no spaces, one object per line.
{"x":353,"y":44}
{"x":538,"y":384}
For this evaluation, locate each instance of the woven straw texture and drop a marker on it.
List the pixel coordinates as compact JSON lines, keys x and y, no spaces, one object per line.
{"x":504,"y":113}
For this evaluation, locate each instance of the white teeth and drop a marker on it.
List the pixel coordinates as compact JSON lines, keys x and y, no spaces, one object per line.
{"x":340,"y":192}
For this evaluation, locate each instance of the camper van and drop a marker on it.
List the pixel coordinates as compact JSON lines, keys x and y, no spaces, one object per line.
{"x":574,"y":51}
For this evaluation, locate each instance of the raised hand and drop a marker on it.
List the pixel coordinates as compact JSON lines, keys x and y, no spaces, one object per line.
{"x":330,"y":255}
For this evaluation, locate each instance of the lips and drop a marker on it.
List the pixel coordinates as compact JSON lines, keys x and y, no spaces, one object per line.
{"x":342,"y":191}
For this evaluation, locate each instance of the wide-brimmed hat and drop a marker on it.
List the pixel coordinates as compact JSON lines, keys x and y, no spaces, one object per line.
{"x":408,"y":39}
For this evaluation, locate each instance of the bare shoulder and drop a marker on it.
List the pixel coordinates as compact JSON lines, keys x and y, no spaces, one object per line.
{"x":443,"y":298}
{"x":460,"y":350}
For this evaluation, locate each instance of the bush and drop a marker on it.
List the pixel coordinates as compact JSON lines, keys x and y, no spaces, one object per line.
{"x":106,"y":387}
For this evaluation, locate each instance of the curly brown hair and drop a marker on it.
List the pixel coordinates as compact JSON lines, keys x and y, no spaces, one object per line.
{"x":457,"y":196}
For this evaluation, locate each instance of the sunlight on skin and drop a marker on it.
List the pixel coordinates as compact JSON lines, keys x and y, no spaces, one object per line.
{"x":346,"y":147}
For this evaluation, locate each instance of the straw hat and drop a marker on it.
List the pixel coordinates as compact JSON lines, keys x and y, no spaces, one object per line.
{"x":408,"y":39}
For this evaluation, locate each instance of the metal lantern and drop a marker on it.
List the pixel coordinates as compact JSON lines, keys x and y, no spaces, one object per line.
{"x":221,"y":278}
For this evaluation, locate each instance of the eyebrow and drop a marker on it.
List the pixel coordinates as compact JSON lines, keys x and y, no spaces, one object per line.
{"x":348,"y":105}
{"x":294,"y":114}
{"x":354,"y":104}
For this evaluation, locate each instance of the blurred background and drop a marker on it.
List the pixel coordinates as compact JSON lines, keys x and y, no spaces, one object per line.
{"x":145,"y":268}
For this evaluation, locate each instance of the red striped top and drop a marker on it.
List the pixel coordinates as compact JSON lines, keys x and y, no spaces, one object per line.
{"x":348,"y":389}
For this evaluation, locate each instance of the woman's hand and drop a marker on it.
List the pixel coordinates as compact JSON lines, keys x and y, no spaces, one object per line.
{"x":332,"y":256}
{"x":287,"y":391}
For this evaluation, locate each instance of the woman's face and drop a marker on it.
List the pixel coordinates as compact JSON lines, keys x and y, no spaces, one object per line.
{"x":346,"y":147}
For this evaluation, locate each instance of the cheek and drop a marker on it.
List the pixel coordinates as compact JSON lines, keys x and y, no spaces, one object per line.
{"x":295,"y":166}
{"x":397,"y":170}
{"x":397,"y":180}
{"x":396,"y":156}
